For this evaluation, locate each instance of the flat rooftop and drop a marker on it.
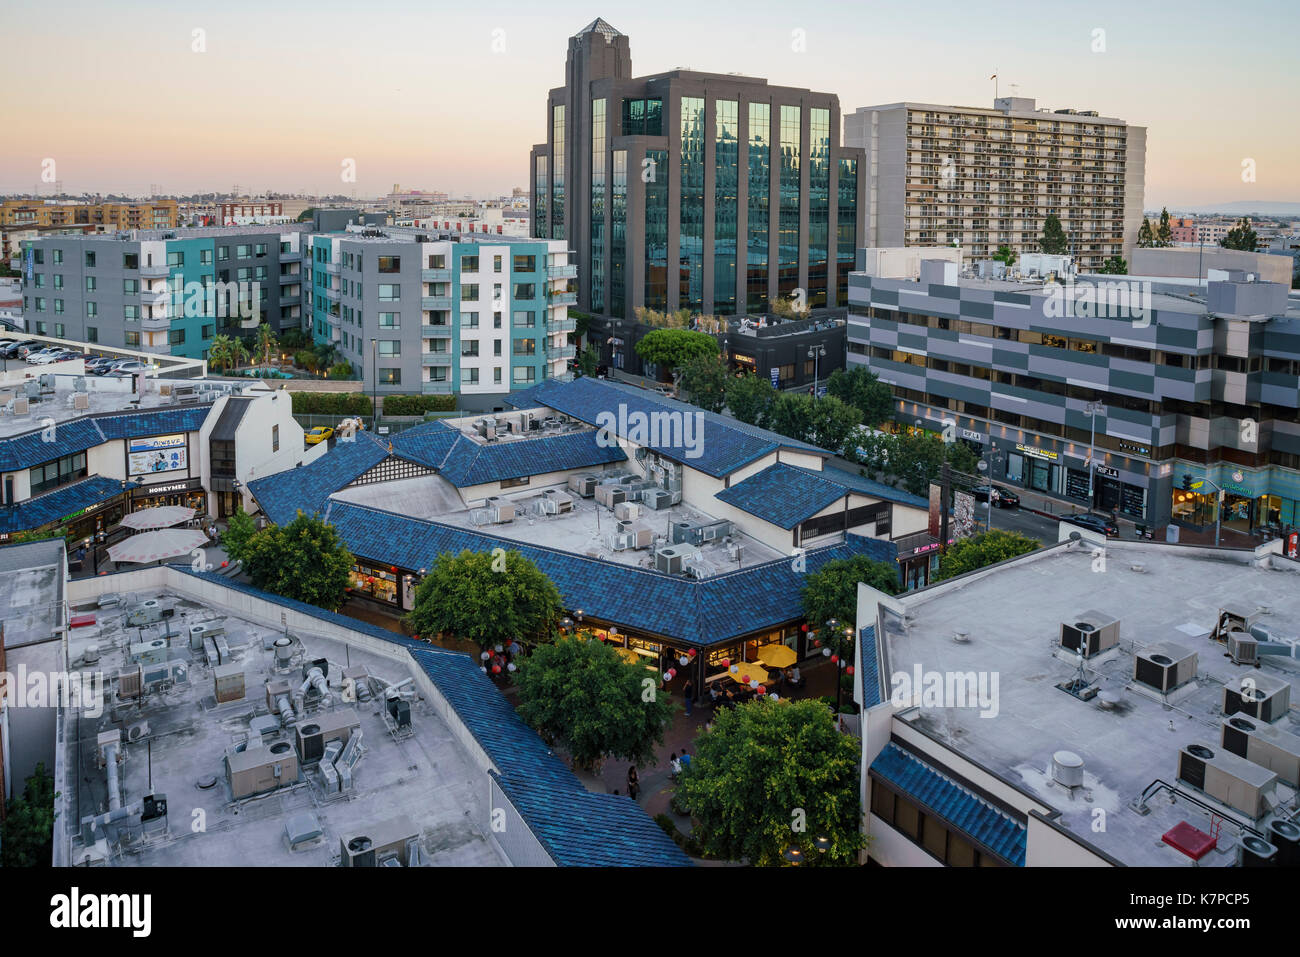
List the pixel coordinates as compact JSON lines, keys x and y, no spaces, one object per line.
{"x":31,"y":592}
{"x":424,"y":777}
{"x":1013,"y":615}
{"x":582,"y":531}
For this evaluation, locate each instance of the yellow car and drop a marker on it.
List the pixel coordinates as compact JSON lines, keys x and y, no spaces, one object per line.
{"x":319,"y":434}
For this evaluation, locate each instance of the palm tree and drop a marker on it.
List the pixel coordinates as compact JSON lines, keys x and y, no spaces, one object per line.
{"x":267,"y":343}
{"x":219,"y":352}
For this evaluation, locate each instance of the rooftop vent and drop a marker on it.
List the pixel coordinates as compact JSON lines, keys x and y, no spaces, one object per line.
{"x":1090,"y":633}
{"x":1165,"y":667}
{"x":1067,"y":769}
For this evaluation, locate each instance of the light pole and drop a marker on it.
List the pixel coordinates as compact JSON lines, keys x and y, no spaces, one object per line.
{"x":1218,"y":506}
{"x":1092,"y":408}
{"x":986,"y":466}
{"x":374,"y":388}
{"x":815,"y":353}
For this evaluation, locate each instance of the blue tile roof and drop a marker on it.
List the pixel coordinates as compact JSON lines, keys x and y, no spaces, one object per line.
{"x":940,"y":794}
{"x":426,"y":444}
{"x":860,"y":483}
{"x":309,"y":487}
{"x":469,"y":463}
{"x":78,"y":435}
{"x":869,"y":670}
{"x":724,"y":445}
{"x":783,"y":494}
{"x":786,"y":495}
{"x":61,"y":503}
{"x":701,"y":613}
{"x":577,"y":828}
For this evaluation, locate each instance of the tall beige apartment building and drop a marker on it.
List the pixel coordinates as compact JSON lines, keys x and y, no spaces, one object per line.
{"x":984,"y":178}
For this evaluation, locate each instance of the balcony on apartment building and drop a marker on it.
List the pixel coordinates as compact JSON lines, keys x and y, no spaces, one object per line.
{"x":436,"y":387}
{"x":435,"y":275}
{"x":436,"y":358}
{"x":562,"y":272}
{"x":155,"y":270}
{"x":435,"y":303}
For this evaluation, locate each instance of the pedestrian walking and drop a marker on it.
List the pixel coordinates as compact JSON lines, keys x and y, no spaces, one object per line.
{"x":688,"y":691}
{"x":633,"y":783}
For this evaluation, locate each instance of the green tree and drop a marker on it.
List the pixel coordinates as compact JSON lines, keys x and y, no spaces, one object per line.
{"x":978,"y":551}
{"x":831,"y":424}
{"x":588,"y":362}
{"x":671,"y":348}
{"x":486,"y":597}
{"x":791,"y":413}
{"x":759,"y":763}
{"x":1241,"y":237}
{"x":1164,"y":232}
{"x":304,"y":560}
{"x":961,"y":457}
{"x":306,"y":359}
{"x":28,"y":835}
{"x":1005,"y":254}
{"x":750,"y":398}
{"x":705,"y":379}
{"x":831,"y":592}
{"x":862,"y":389}
{"x":1114,"y":266}
{"x":1054,"y":241}
{"x":790,"y":307}
{"x":916,"y":460}
{"x":340,"y":370}
{"x":240,"y":529}
{"x":226,"y":352}
{"x":267,"y":343}
{"x":580,"y":694}
{"x":1146,"y":235}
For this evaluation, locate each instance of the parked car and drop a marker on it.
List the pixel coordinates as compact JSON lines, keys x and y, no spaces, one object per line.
{"x":1096,"y":523}
{"x":32,"y":346}
{"x":128,"y":367}
{"x":1002,"y":498}
{"x":13,"y":349}
{"x":44,"y":356}
{"x":321,"y":433}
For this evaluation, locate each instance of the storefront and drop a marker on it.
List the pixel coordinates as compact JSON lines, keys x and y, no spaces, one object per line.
{"x":918,"y":565}
{"x":1114,"y":495}
{"x":187,"y":493}
{"x":385,"y":584}
{"x":1035,"y":468}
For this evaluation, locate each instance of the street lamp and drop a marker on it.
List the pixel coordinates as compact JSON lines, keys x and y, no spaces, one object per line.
{"x":815,"y":353}
{"x":793,"y":856}
{"x":1218,"y":506}
{"x":985,"y":465}
{"x":1092,"y":409}
{"x":374,"y":388}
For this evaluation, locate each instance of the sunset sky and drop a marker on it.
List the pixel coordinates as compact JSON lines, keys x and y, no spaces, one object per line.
{"x":116,"y":95}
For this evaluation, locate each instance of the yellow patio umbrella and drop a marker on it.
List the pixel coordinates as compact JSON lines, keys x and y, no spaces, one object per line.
{"x":754,"y":670}
{"x":627,"y":654}
{"x":777,"y":656}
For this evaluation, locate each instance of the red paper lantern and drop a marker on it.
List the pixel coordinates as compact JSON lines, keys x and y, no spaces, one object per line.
{"x":224,"y":564}
{"x":496,"y":669}
{"x":745,"y":678}
{"x":691,"y":652}
{"x":762,"y":689}
{"x":848,"y":670}
{"x":672,"y":672}
{"x":835,"y":659}
{"x":817,"y":642}
{"x":726,"y":662}
{"x":803,"y":628}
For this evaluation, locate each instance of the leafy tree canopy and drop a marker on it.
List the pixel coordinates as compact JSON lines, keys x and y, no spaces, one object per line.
{"x":705,"y":379}
{"x":760,"y":766}
{"x":486,"y":597}
{"x":978,"y":551}
{"x":304,"y":560}
{"x":671,"y":348}
{"x":750,"y":398}
{"x":1054,"y":241}
{"x":580,"y":694}
{"x":862,"y":389}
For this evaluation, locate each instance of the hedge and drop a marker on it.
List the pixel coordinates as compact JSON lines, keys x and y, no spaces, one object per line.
{"x":418,"y":404}
{"x":331,"y":403}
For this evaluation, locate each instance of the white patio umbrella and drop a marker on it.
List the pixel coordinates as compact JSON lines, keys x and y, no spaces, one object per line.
{"x":164,"y":516}
{"x":155,"y":546}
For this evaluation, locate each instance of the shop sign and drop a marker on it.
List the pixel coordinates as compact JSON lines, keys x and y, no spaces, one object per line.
{"x":973,"y":436}
{"x":1036,"y":452}
{"x":163,"y":489}
{"x":80,"y":512}
{"x":1108,"y":471}
{"x":643,"y":645}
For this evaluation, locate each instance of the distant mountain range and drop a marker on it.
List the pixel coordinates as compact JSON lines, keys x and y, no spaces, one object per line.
{"x":1263,"y":207}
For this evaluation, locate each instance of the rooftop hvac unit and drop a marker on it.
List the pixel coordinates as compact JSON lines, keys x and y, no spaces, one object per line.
{"x":627,"y":510}
{"x":1234,"y":618}
{"x":619,"y":541}
{"x":400,"y":710}
{"x":20,"y":405}
{"x":1243,"y":648}
{"x":1229,"y":779}
{"x":735,"y":551}
{"x":80,"y":400}
{"x":500,"y":511}
{"x":357,"y":851}
{"x":1256,"y":852}
{"x":610,"y":495}
{"x":583,"y":485}
{"x":1263,"y":744}
{"x":1165,"y":666}
{"x":1257,"y":696}
{"x":480,"y":516}
{"x":1092,"y":633}
{"x":545,"y":506}
{"x":563,"y":500}
{"x":1285,"y":836}
{"x":699,"y":569}
{"x":130,"y":682}
{"x":715,"y":531}
{"x":658,"y":499}
{"x":673,"y":559}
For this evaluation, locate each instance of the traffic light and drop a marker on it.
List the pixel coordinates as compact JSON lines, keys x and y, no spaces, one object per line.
{"x":1187,"y":483}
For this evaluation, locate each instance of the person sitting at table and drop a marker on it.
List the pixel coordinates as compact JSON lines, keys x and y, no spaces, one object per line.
{"x":730,"y":699}
{"x":714,"y":695}
{"x":796,"y":679}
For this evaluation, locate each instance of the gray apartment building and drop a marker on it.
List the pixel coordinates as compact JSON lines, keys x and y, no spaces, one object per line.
{"x":424,"y":311}
{"x":1181,"y":390}
{"x":711,"y":192}
{"x":168,"y":291}
{"x":982,"y":178}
